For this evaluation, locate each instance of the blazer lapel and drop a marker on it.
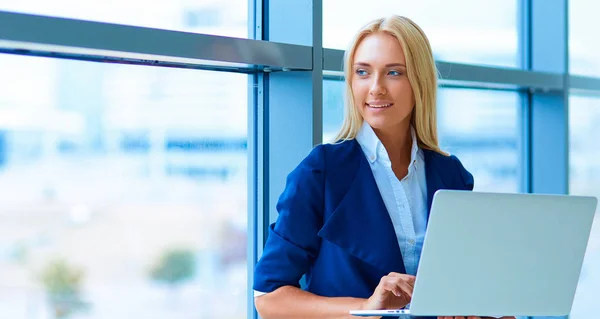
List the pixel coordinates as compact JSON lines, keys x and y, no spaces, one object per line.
{"x":361,"y":224}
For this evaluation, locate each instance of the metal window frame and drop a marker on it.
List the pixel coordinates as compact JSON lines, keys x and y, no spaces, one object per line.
{"x":96,"y":41}
{"x":256,"y":150}
{"x":290,"y":65}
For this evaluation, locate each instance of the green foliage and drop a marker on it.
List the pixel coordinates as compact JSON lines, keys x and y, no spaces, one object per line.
{"x":60,"y":279}
{"x":174,"y":267}
{"x":62,"y":283}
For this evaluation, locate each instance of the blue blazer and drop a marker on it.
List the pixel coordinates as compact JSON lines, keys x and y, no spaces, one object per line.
{"x":333,"y":225}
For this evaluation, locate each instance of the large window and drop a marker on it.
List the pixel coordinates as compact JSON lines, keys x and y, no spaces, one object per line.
{"x":219,"y":17}
{"x":584,"y":47}
{"x":122,"y":191}
{"x":468,"y":31}
{"x":584,"y":179}
{"x":478,"y":126}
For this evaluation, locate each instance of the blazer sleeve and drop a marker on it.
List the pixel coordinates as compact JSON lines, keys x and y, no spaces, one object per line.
{"x":465,"y":175}
{"x":293,"y":244}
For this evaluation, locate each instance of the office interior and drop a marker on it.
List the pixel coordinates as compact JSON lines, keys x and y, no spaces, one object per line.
{"x":143,"y":146}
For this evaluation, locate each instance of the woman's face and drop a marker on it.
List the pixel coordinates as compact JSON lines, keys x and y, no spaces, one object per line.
{"x":382,"y":92}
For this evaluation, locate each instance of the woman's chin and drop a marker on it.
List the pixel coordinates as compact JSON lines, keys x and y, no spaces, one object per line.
{"x":377,"y":122}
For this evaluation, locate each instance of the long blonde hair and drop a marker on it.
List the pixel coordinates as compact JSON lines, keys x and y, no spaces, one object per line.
{"x":422,"y":75}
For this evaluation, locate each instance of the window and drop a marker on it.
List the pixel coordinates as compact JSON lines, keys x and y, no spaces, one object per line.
{"x":584,"y":179}
{"x":480,"y":127}
{"x":584,"y":48}
{"x":467,"y":31}
{"x":219,"y":17}
{"x":122,"y":188}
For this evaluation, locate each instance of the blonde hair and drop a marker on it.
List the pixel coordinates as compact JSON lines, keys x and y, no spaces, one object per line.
{"x":422,"y":75}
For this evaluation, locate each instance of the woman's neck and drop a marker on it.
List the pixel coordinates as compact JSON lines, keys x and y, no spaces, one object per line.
{"x":398,"y":144}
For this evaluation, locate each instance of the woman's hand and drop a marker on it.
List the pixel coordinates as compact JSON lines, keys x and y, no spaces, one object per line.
{"x":473,"y":317}
{"x":393,"y":292}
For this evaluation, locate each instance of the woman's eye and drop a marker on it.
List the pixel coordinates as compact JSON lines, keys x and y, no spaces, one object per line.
{"x":361,"y":72}
{"x":395,"y":73}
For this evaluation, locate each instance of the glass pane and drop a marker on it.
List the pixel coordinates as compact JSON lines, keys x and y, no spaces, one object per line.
{"x":465,"y":31}
{"x":480,"y":127}
{"x":122,"y":191}
{"x":584,"y":47}
{"x":584,"y":179}
{"x":218,"y":17}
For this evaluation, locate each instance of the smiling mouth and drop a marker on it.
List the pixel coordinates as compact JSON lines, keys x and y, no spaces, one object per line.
{"x":379,"y":106}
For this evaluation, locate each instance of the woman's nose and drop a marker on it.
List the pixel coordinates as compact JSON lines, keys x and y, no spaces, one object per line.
{"x":377,"y":88}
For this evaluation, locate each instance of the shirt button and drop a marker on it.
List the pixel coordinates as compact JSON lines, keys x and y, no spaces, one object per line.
{"x":372,"y":158}
{"x":412,"y":242}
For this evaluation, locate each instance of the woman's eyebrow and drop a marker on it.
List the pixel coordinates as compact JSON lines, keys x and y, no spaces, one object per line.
{"x":387,"y":65}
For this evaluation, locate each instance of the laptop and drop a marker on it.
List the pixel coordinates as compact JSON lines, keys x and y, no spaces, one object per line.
{"x":490,"y":254}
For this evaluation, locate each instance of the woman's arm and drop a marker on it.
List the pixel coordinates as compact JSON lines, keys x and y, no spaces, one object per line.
{"x":394,"y":291}
{"x":289,"y":302}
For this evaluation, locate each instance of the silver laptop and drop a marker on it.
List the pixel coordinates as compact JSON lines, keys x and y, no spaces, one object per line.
{"x":499,"y":255}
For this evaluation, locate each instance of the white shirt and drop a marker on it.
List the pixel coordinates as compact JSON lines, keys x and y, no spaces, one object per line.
{"x":406,"y":199}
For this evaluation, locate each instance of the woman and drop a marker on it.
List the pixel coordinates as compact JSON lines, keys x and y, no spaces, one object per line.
{"x":353,"y":215}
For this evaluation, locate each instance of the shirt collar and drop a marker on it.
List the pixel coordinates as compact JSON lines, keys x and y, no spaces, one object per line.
{"x":373,"y":147}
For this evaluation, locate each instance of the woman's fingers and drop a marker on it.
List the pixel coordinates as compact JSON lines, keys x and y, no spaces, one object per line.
{"x":404,"y":281}
{"x":398,"y":286}
{"x":407,"y":278}
{"x":390,"y":285}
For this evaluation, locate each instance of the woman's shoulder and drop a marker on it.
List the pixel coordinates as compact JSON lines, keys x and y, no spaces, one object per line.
{"x":335,"y":151}
{"x":331,"y":156}
{"x":449,"y":163}
{"x":441,"y":159}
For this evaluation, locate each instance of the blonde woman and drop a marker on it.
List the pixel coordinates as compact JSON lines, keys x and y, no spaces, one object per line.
{"x":353,"y":215}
